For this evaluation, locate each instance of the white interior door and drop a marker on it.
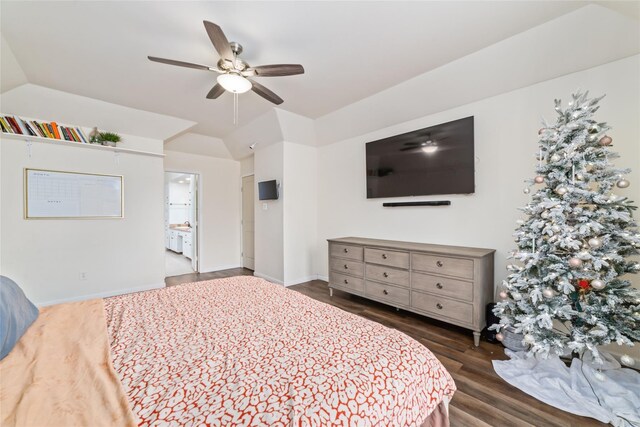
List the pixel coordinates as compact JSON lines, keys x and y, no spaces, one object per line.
{"x":248,"y":194}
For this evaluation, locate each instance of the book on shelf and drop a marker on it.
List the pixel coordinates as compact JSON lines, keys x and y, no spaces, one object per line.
{"x":49,"y":130}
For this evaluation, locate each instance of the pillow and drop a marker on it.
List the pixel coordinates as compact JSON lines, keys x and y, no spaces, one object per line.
{"x":17,"y":313}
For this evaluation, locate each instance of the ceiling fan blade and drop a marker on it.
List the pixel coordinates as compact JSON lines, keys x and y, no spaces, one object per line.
{"x":180,"y":63}
{"x":219,"y":40}
{"x":215,"y":91}
{"x":278,"y":70}
{"x":409,"y":148}
{"x":266,"y":93}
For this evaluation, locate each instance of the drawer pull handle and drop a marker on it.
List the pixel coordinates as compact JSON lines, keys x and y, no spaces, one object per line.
{"x":346,"y":267}
{"x":346,"y":282}
{"x":439,"y":263}
{"x":439,"y":285}
{"x":385,"y":274}
{"x":384,"y":256}
{"x":439,"y":306}
{"x":384,"y":291}
{"x":346,"y":250}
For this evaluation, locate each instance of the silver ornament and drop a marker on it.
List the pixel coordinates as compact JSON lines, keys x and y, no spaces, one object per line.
{"x":623,"y":183}
{"x":516,"y":296}
{"x":548,"y":293}
{"x":575,"y":262}
{"x":579,"y":177}
{"x":526,"y":190}
{"x":583,"y":254}
{"x":595,"y":242}
{"x":561,"y":191}
{"x":594,"y":128}
{"x":539,"y":179}
{"x":627,"y":360}
{"x":499,"y":336}
{"x":545,"y":214}
{"x":503,"y":295}
{"x":605,"y":140}
{"x":597,"y":284}
{"x":554,"y":158}
{"x":529,"y":339}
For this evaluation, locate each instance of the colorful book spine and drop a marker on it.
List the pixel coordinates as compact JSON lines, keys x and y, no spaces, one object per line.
{"x":82,"y":135}
{"x":56,"y":132}
{"x":37,"y":128}
{"x":14,"y":125}
{"x":6,"y":127}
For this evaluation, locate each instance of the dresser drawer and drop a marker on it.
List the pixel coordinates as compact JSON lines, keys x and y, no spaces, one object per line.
{"x":390,"y":294}
{"x":442,"y":286}
{"x":442,"y":307}
{"x":346,"y":251}
{"x":458,"y":267}
{"x":384,"y":257}
{"x":388,"y":275}
{"x":347,"y":267}
{"x":346,"y":282}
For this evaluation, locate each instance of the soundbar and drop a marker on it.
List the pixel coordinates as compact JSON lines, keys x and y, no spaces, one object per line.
{"x":432,"y":203}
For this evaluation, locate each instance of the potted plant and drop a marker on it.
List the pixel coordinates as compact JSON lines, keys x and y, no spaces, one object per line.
{"x":108,"y":138}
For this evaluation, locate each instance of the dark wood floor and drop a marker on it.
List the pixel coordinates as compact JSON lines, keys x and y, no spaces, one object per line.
{"x":482,"y":399}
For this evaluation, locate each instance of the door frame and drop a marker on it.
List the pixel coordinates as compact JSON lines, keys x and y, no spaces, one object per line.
{"x":242,"y":221}
{"x":198,"y":213}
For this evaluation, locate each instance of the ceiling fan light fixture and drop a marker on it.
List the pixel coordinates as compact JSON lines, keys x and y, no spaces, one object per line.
{"x":430,"y":149}
{"x":234,"y":83}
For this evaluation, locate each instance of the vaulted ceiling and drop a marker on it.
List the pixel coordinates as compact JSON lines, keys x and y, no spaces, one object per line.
{"x":350,"y":50}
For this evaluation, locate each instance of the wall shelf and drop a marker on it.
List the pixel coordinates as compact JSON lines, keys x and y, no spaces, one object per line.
{"x":31,"y":138}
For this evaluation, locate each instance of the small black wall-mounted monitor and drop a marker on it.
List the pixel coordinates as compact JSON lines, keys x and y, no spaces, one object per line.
{"x":268,"y":190}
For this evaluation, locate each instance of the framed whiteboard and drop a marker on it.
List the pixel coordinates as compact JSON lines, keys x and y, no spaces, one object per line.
{"x":71,"y":195}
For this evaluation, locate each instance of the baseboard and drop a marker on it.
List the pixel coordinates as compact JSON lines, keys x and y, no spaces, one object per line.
{"x":219,"y":268}
{"x":301,"y":280}
{"x":269,"y":278}
{"x":102,"y":294}
{"x":323,"y":278}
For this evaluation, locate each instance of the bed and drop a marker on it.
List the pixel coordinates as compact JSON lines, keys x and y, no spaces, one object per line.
{"x":236,"y":351}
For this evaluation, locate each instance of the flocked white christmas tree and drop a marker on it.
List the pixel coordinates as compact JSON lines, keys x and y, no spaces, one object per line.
{"x":567,"y":291}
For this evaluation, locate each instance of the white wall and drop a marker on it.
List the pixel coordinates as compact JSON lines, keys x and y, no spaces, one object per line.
{"x":246,"y":166}
{"x":269,"y":231}
{"x":219,"y":207}
{"x":505,"y":141}
{"x":46,"y":257}
{"x":300,"y":221}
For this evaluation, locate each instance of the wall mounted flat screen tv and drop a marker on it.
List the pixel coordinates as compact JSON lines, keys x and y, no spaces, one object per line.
{"x":268,"y":190}
{"x":434,"y":160}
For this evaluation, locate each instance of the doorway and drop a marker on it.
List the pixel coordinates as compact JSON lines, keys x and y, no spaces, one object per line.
{"x":181,"y":223}
{"x":248,"y":194}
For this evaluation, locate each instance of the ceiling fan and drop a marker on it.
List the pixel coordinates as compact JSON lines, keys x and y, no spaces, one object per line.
{"x":234,"y":72}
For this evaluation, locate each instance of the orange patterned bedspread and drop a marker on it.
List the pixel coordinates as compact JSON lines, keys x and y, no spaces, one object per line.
{"x":243,"y":351}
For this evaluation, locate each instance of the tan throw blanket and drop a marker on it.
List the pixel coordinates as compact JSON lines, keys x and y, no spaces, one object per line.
{"x":60,"y":372}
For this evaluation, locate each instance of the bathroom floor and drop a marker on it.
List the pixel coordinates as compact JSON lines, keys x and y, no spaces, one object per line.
{"x":176,"y":264}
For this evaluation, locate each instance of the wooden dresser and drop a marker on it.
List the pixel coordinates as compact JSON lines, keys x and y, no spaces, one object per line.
{"x":448,"y":283}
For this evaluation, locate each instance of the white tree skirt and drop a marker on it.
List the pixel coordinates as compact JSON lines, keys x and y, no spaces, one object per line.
{"x":614,"y":398}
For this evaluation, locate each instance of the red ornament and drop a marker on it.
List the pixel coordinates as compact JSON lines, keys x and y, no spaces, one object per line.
{"x":584,"y":284}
